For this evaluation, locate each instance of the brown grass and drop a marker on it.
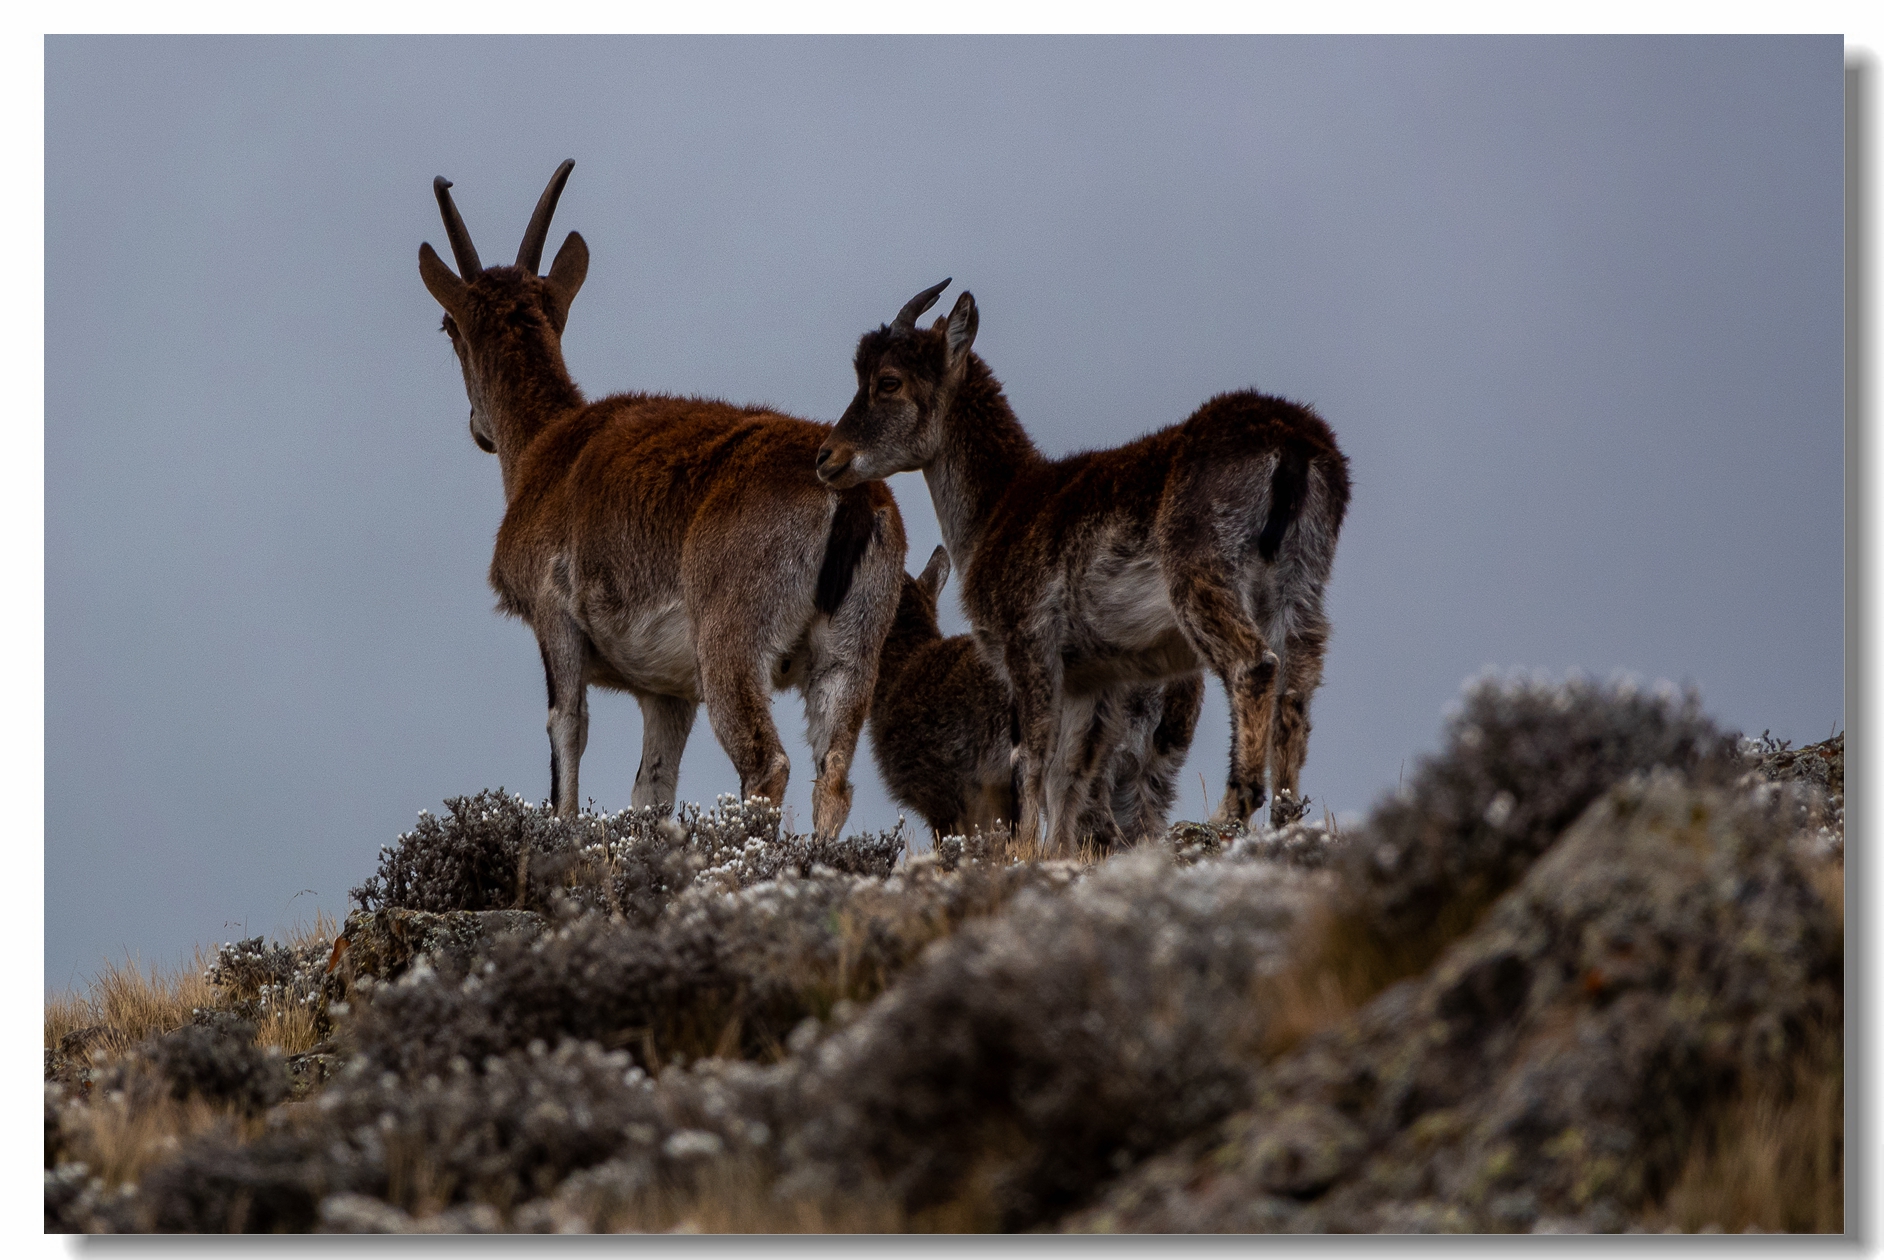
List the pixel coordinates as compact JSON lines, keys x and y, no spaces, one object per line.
{"x":1003,"y":848}
{"x":123,"y":1135}
{"x":1340,"y":961}
{"x":1774,"y":1161}
{"x":129,"y":1001}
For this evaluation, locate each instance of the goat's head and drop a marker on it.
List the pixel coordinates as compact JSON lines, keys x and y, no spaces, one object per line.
{"x":492,"y":313}
{"x":916,"y":621}
{"x":906,"y":378}
{"x":927,"y":589}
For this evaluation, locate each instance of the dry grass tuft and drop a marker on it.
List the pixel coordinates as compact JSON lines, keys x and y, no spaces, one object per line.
{"x":123,"y":1135}
{"x":127,"y":1002}
{"x":1774,"y":1161}
{"x":130,"y":1002}
{"x":1341,"y":961}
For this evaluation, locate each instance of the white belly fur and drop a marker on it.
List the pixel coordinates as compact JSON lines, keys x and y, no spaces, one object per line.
{"x":1127,"y":605}
{"x":653,"y":650}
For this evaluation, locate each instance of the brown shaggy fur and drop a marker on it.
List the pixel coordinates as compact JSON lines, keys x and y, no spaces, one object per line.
{"x":1206,"y":544}
{"x":680,"y":549}
{"x":941,"y":727}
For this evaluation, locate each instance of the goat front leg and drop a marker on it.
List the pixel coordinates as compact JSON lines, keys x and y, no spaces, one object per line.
{"x":1142,"y":803}
{"x":1078,"y":795}
{"x":564,"y":657}
{"x":666,"y":721}
{"x":1034,"y":687}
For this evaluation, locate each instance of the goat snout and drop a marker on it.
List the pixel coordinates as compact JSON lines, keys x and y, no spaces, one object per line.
{"x":834,"y":460}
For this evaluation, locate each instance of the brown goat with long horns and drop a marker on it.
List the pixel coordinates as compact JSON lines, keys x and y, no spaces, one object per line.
{"x":679,"y":549}
{"x":1206,"y":544}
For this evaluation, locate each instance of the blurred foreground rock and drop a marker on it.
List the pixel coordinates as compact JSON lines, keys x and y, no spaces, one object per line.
{"x":1551,"y":1070}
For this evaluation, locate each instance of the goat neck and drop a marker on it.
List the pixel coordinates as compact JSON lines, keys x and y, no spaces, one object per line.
{"x":982,"y":451}
{"x":512,"y":357}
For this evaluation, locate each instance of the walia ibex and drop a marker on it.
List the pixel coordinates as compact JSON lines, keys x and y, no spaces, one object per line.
{"x":1204,"y":544}
{"x":677,"y":548}
{"x":939,"y":723}
{"x":941,"y":726}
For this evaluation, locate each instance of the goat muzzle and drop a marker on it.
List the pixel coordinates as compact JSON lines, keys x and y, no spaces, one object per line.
{"x":834,"y":461}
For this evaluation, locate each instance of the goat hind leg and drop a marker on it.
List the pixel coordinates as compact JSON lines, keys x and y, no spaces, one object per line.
{"x":836,"y":704}
{"x":1301,"y":675}
{"x":740,"y":711}
{"x":1214,"y":620}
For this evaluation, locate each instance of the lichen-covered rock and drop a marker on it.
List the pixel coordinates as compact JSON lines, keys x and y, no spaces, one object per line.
{"x":1554,"y":1065}
{"x":310,"y":1070}
{"x":1821,"y":764}
{"x":383,"y":944}
{"x":1037,"y":1052}
{"x":74,"y":1061}
{"x":1523,"y":758}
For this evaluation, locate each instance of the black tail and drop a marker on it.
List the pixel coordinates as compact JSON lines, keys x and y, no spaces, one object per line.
{"x":853,"y":529}
{"x":1287,"y":488}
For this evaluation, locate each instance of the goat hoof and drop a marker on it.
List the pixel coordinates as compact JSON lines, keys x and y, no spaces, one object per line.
{"x":1286,"y":809}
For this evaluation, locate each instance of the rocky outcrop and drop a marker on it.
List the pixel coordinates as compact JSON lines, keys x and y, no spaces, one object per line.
{"x":1551,"y":1070}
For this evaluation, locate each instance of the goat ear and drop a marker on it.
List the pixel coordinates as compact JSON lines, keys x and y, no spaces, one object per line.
{"x":963,"y":321}
{"x":569,"y":270}
{"x":441,"y":281}
{"x":936,"y":572}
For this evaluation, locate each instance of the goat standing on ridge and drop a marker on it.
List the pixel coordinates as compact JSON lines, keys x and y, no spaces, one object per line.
{"x":679,"y":549}
{"x":1204,"y":544}
{"x":941,"y":725}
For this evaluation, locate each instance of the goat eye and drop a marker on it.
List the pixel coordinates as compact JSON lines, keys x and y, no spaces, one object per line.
{"x":888,"y":385}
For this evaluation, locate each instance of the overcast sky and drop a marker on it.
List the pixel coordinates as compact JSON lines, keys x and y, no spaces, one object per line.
{"x":1572,"y":306}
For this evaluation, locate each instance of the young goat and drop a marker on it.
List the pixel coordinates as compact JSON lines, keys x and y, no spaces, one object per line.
{"x":941,"y":727}
{"x":939,"y":722}
{"x":1204,"y":544}
{"x":676,"y":548}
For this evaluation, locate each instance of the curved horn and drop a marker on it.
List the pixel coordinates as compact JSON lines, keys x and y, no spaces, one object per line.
{"x":913,"y":309}
{"x":530,"y":253}
{"x":461,"y":247}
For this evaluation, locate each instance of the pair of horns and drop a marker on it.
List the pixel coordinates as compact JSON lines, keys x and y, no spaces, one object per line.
{"x":913,"y":309}
{"x":530,"y":253}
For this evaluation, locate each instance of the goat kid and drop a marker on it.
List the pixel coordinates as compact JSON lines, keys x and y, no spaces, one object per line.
{"x":679,"y":549}
{"x":939,"y":719}
{"x":941,"y":727}
{"x":1205,"y":544}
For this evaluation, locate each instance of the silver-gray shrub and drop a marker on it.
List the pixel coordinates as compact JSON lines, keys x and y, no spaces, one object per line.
{"x":496,"y":851}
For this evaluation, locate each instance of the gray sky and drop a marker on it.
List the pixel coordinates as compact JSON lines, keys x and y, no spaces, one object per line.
{"x":1573,"y":307}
